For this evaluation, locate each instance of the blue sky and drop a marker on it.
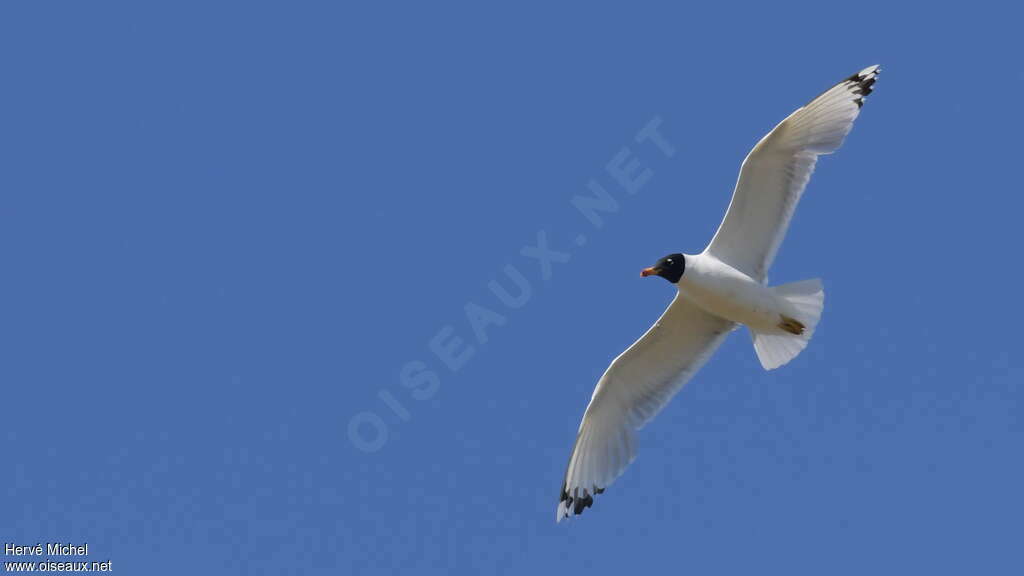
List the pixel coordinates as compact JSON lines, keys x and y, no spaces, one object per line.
{"x":229,"y":229}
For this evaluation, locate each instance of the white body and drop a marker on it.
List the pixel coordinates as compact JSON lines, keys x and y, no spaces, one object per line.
{"x":726,"y":292}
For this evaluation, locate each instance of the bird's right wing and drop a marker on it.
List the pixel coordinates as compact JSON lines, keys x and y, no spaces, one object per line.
{"x":775,"y":173}
{"x":634,"y":388}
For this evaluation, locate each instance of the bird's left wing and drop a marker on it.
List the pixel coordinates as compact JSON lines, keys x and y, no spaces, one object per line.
{"x":776,"y":171}
{"x":634,"y":388}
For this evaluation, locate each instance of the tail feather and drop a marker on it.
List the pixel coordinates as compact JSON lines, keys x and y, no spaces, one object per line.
{"x":807,"y":299}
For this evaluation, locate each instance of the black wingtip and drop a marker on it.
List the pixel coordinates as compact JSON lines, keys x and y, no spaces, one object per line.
{"x":574,"y":504}
{"x":862,"y":83}
{"x":582,"y":503}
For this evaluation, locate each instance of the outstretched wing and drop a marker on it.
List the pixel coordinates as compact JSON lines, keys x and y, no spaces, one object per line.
{"x":775,"y":173}
{"x":637,"y":385}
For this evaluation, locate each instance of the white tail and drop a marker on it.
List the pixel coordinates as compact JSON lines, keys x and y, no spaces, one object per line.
{"x":807,"y":299}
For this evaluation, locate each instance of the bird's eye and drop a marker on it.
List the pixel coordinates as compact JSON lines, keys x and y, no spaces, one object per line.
{"x":669,"y":261}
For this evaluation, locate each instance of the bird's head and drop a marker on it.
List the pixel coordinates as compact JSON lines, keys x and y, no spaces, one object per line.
{"x":670,"y":268}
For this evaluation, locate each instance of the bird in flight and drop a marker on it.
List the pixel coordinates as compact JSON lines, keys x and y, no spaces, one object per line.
{"x":718,"y":289}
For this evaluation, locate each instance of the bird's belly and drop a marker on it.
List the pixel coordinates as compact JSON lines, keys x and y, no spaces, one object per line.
{"x":739,"y":301}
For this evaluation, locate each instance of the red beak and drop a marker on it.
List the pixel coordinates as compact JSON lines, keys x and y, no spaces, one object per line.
{"x":648,"y":272}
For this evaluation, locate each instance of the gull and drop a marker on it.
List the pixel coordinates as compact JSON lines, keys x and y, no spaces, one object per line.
{"x":719,"y":289}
